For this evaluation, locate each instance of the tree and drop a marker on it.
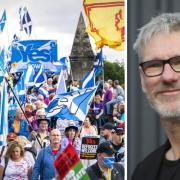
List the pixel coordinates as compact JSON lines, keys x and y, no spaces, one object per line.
{"x":114,"y":71}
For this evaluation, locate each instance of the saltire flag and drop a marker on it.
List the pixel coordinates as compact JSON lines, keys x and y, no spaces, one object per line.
{"x":98,"y":64}
{"x":29,"y":79}
{"x":20,"y":87}
{"x":43,"y":91}
{"x":3,"y":113}
{"x":2,"y":66}
{"x":61,"y":86}
{"x":64,"y":62}
{"x":39,"y":78}
{"x":25,"y":21}
{"x":106,"y":23}
{"x":2,"y":21}
{"x":72,"y":105}
{"x":89,"y":80}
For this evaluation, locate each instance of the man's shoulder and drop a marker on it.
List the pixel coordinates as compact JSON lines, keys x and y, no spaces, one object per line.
{"x":151,"y":164}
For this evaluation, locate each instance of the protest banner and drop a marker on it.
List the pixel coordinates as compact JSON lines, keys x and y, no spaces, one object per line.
{"x":69,"y":166}
{"x":89,"y":147}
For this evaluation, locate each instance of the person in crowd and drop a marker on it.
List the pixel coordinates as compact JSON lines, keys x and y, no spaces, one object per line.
{"x":110,"y":82}
{"x":9,"y":138}
{"x":75,"y":85}
{"x":107,"y":96}
{"x":106,"y":132}
{"x":14,"y":165}
{"x":71,"y":138}
{"x":105,"y":167}
{"x":118,"y":144}
{"x":41,"y":98}
{"x":96,"y":110}
{"x":88,"y":129}
{"x":30,"y":151}
{"x":34,"y":126}
{"x":118,"y":96}
{"x":19,"y":125}
{"x":41,"y":139}
{"x":44,"y":165}
{"x":157,"y":46}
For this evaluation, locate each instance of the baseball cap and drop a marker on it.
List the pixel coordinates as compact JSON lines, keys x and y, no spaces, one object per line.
{"x":105,"y":147}
{"x":118,"y":130}
{"x":108,"y":125}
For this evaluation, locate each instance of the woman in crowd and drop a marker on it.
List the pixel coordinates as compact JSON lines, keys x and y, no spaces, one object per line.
{"x":88,"y":130}
{"x":14,"y":165}
{"x":71,"y":138}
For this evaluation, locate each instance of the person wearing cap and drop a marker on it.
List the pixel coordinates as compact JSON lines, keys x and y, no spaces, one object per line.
{"x":40,"y":139}
{"x":118,"y":144}
{"x":106,"y":132}
{"x":71,"y":138}
{"x":105,"y":167}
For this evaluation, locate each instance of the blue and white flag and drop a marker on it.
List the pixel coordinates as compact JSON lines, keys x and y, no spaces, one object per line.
{"x":72,"y":105}
{"x":98,"y":64}
{"x":25,"y":20}
{"x":2,"y":21}
{"x":29,"y":79}
{"x":3,"y":113}
{"x":39,"y":78}
{"x":61,"y":86}
{"x":89,"y":80}
{"x":64,"y":62}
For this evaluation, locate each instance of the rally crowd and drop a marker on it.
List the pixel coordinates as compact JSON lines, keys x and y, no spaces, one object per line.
{"x":34,"y":141}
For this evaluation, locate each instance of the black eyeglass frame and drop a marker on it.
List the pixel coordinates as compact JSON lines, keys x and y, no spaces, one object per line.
{"x":168,"y":61}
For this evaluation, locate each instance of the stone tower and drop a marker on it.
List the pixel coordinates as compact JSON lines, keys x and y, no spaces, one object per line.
{"x":82,"y":56}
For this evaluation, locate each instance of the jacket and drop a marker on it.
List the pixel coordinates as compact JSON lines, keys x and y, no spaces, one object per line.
{"x":44,"y":165}
{"x":95,"y":173}
{"x":149,"y":168}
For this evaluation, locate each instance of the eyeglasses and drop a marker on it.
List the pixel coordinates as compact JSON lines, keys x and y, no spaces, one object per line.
{"x":156,"y":67}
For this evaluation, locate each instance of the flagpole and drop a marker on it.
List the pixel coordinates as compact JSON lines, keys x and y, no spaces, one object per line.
{"x":15,"y":97}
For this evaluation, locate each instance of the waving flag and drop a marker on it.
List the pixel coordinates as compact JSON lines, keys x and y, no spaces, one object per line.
{"x":89,"y":80}
{"x":3,"y":21}
{"x":72,"y":105}
{"x":29,"y":79}
{"x":39,"y":78}
{"x":61,"y":86}
{"x":25,"y":21}
{"x":98,"y":64}
{"x":3,"y":113}
{"x":106,"y":22}
{"x":64,"y":62}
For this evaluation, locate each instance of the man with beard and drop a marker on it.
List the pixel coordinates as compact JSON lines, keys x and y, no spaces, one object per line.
{"x":158,"y":48}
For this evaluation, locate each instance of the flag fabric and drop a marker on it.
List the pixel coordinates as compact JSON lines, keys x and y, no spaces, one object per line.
{"x":61,"y":86}
{"x":3,"y":21}
{"x":98,"y":64}
{"x":89,"y":80}
{"x":106,"y":23}
{"x":3,"y":113}
{"x":29,"y":79}
{"x":25,"y":20}
{"x":72,"y":105}
{"x":64,"y":62}
{"x":39,"y":78}
{"x":69,"y":166}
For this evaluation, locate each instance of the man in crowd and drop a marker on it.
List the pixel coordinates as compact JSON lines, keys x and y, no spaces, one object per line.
{"x":19,"y":125}
{"x":158,"y":49}
{"x":44,"y":165}
{"x":105,"y":167}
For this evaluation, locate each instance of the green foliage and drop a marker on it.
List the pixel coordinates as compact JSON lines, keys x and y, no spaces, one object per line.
{"x":114,"y":70}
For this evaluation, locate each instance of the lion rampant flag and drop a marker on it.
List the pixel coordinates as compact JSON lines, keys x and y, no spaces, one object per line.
{"x":106,"y":23}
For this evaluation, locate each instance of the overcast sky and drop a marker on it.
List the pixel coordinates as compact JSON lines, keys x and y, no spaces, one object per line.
{"x":53,"y":19}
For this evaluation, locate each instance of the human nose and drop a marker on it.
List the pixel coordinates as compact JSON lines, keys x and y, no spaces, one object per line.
{"x":169,"y":75}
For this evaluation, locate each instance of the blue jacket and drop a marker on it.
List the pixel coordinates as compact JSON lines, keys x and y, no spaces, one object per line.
{"x":23,"y":127}
{"x":44,"y":165}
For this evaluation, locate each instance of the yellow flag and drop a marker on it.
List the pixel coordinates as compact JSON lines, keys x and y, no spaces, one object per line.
{"x":106,"y":22}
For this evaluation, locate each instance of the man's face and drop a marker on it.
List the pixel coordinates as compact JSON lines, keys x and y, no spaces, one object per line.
{"x":101,"y":157}
{"x":55,"y":136}
{"x":43,"y":125}
{"x":163,"y":91}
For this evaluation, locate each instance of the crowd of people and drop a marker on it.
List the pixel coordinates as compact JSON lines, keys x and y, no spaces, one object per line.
{"x":35,"y":141}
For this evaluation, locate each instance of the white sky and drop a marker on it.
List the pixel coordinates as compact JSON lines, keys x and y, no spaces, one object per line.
{"x":54,"y":19}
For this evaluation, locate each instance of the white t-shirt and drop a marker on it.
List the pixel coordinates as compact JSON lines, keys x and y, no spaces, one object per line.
{"x":16,"y":170}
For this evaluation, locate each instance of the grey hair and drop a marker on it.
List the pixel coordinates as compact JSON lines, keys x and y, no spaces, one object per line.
{"x":166,"y":22}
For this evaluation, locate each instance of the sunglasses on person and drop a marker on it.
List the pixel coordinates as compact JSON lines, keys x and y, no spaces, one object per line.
{"x":156,"y":67}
